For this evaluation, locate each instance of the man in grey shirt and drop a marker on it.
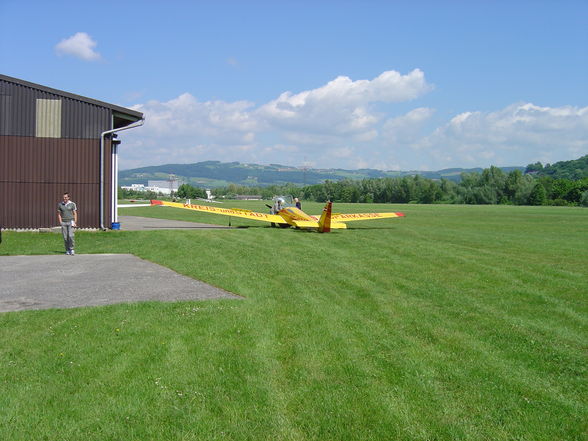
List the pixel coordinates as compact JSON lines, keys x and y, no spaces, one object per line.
{"x":67,"y":213}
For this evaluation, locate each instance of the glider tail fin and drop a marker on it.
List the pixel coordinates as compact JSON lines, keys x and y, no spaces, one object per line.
{"x":325,"y":220}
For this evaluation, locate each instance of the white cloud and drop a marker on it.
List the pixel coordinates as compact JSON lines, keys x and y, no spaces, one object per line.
{"x":80,"y":46}
{"x":185,"y":115}
{"x":342,"y":106}
{"x":341,"y":152}
{"x":406,"y":128}
{"x":282,"y":148}
{"x":329,"y":117}
{"x":339,"y":125}
{"x":516,"y":135}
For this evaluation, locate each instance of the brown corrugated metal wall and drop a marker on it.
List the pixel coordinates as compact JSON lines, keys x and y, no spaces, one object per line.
{"x":35,"y":172}
{"x":49,"y":144}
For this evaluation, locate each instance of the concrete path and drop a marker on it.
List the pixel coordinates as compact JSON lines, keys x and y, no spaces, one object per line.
{"x":136,"y":223}
{"x":41,"y":282}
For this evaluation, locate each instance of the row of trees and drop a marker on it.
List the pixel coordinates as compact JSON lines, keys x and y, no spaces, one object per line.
{"x":124,"y":193}
{"x":492,"y":186}
{"x":184,"y":191}
{"x":575,"y":169}
{"x":187,"y":191}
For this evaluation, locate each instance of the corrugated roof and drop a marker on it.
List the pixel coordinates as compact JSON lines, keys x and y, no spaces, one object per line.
{"x":133,"y":114}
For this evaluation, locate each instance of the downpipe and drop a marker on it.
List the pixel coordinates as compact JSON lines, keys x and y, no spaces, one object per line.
{"x":102,"y":138}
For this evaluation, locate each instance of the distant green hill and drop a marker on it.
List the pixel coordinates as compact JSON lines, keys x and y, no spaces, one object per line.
{"x":574,"y":169}
{"x":218,"y":174}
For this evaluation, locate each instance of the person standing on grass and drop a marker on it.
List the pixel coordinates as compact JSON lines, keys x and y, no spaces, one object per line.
{"x":67,"y":214}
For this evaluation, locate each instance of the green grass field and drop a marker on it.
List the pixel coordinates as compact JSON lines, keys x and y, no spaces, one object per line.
{"x":454,"y":323}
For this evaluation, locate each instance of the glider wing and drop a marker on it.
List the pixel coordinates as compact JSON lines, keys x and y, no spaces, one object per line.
{"x":349,"y":217}
{"x":234,"y":212}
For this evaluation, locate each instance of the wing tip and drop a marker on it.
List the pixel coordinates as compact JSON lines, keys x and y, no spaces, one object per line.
{"x":155,"y":202}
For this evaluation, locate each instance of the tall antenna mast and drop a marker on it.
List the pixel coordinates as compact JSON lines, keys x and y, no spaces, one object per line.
{"x":304,"y":170}
{"x":172,"y":179}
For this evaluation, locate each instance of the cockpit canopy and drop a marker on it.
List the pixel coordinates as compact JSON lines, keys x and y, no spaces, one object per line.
{"x":280,"y":202}
{"x":285,"y":201}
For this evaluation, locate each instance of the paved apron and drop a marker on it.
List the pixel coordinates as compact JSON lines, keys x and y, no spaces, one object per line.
{"x":41,"y":282}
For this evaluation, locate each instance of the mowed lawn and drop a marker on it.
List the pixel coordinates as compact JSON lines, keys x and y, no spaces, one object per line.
{"x":454,"y":323}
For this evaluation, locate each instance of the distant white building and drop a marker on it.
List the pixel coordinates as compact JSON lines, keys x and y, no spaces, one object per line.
{"x":166,"y":186}
{"x":163,"y":187}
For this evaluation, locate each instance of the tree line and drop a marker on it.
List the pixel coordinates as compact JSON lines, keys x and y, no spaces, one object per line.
{"x":575,"y":169}
{"x":492,"y":186}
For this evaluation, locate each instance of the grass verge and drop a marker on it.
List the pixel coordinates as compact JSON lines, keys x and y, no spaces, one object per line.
{"x":455,"y":323}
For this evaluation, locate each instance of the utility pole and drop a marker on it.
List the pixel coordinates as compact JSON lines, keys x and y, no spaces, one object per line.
{"x":172,"y":179}
{"x":304,"y":170}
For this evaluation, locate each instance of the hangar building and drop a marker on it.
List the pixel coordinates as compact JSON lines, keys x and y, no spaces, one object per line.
{"x":52,"y":142}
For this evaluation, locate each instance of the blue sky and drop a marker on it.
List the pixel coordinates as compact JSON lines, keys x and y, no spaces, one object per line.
{"x":410,"y":85}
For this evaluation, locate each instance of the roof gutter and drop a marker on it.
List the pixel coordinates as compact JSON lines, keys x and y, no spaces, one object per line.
{"x":102,"y":137}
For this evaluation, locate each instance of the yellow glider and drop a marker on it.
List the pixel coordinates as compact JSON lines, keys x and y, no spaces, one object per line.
{"x":288,"y":216}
